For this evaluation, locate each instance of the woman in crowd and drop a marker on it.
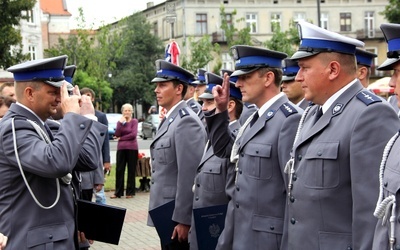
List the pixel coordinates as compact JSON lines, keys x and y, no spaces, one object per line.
{"x":127,"y":152}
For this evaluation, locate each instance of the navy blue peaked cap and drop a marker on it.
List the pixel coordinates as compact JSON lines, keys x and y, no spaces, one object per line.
{"x":365,"y":58}
{"x":391,"y":31}
{"x":249,"y":59}
{"x":167,"y":71}
{"x":229,"y":72}
{"x":290,"y":69}
{"x":200,"y":78}
{"x":213,"y":80}
{"x":49,"y":70}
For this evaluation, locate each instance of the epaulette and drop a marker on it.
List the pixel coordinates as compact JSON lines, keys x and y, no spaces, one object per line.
{"x":367,"y":97}
{"x":288,"y":109}
{"x":183,"y":112}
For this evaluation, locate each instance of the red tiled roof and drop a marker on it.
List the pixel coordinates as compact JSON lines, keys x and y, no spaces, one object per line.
{"x":54,"y":7}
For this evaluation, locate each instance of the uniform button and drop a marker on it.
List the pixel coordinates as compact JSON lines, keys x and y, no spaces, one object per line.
{"x":398,"y":219}
{"x":152,"y":147}
{"x":299,"y":157}
{"x":397,"y":247}
{"x":101,"y":134}
{"x":240,"y":171}
{"x":294,"y":177}
{"x":319,"y":153}
{"x":272,"y":227}
{"x":82,"y":126}
{"x":349,"y":248}
{"x":256,"y":151}
{"x":162,"y":145}
{"x":291,"y":199}
{"x":237,"y":205}
{"x":153,"y":171}
{"x":152,"y":182}
{"x":293,"y":221}
{"x":50,"y":236}
{"x":197,"y":198}
{"x":237,"y":188}
{"x":152,"y":159}
{"x":198,"y":185}
{"x":210,"y":170}
{"x":385,"y":184}
{"x":242,"y":154}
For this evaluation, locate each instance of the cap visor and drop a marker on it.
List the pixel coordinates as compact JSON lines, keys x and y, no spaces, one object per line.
{"x":243,"y":72}
{"x":160,"y":79}
{"x":56,"y":84}
{"x":388,"y":64}
{"x":206,"y":96}
{"x":302,"y":54}
{"x":288,"y":78}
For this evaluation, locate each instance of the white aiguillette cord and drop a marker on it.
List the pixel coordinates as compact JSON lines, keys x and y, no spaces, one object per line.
{"x":44,"y":137}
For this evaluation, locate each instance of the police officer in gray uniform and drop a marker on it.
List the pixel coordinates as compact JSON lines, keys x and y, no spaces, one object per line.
{"x":36,"y":200}
{"x":191,"y":102}
{"x":332,"y":189}
{"x":365,"y":60}
{"x":260,"y":151}
{"x":387,"y":232}
{"x":214,"y":181}
{"x":174,"y":151}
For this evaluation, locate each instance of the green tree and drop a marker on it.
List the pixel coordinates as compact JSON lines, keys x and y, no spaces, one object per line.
{"x":233,"y":35}
{"x":284,"y":41}
{"x":135,"y":68}
{"x":392,"y":11}
{"x":202,"y":52}
{"x":94,"y":53}
{"x":10,"y":39}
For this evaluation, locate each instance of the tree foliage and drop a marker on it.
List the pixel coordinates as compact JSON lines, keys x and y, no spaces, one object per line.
{"x":392,"y":11}
{"x":135,"y":68}
{"x":11,"y":13}
{"x":284,"y":41}
{"x":202,"y":52}
{"x":233,"y":35}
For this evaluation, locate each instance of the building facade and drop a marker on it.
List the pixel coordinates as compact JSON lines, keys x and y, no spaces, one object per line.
{"x":181,"y":19}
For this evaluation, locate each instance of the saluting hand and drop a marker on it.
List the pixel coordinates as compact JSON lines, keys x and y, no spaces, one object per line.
{"x":221,"y":95}
{"x":3,"y":241}
{"x":70,"y":103}
{"x":87,"y":107}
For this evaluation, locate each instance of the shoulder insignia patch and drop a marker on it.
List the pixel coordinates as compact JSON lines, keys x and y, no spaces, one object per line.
{"x":288,"y":109}
{"x":183,"y":112}
{"x":367,"y":97}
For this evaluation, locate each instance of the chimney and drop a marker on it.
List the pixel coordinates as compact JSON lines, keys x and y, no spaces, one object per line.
{"x":150,"y":4}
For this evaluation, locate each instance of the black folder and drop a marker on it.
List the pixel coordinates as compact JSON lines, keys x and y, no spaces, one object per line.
{"x":162,"y":220}
{"x":100,"y":222}
{"x":209,"y":223}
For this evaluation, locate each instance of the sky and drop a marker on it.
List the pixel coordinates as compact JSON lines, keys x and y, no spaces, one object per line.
{"x":97,"y":12}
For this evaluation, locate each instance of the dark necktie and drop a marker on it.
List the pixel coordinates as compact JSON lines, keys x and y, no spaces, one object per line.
{"x":318,"y":114}
{"x":49,"y":133}
{"x":162,"y":121}
{"x":255,"y":117}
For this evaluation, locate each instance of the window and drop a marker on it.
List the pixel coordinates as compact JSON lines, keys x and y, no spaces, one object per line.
{"x":275,"y":21}
{"x":299,"y":16}
{"x":345,"y":21}
{"x":32,"y":52}
{"x":251,"y":22}
{"x":324,"y":20}
{"x":155,"y":28}
{"x":201,"y":24}
{"x":30,"y":16}
{"x":369,"y":24}
{"x":227,"y":61}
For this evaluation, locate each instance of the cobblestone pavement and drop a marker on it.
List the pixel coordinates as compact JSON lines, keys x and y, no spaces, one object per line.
{"x":136,"y":235}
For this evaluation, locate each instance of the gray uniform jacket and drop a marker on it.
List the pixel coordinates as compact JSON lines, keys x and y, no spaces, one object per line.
{"x":256,"y":212}
{"x":26,"y":224}
{"x":175,"y":156}
{"x":391,"y":187}
{"x":393,"y":101}
{"x":213,"y":184}
{"x":335,"y":184}
{"x":303,"y":104}
{"x":196,"y":107}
